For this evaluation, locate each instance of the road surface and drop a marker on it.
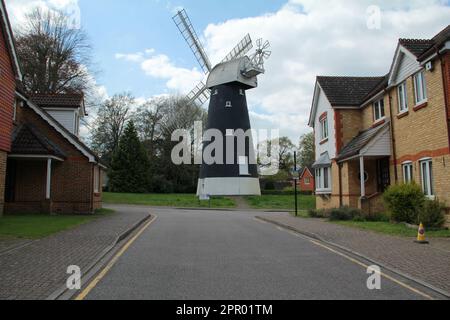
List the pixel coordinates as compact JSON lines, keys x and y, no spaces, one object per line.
{"x":192,"y":255}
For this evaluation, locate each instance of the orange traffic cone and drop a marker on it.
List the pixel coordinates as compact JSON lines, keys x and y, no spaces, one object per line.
{"x":421,"y":239}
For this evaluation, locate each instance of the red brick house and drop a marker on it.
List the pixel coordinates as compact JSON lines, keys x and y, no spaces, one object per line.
{"x":307,"y":181}
{"x":44,"y":166}
{"x":9,"y":74}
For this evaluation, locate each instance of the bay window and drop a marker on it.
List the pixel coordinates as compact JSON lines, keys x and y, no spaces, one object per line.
{"x":323,"y":180}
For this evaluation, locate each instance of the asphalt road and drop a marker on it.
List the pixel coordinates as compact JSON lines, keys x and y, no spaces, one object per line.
{"x":191,"y":255}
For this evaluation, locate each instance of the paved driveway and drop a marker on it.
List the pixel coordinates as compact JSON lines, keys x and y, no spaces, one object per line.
{"x":230,"y":255}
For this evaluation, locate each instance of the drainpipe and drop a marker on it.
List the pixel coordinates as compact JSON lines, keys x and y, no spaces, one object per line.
{"x":445,"y":84}
{"x":341,"y":200}
{"x":394,"y":148}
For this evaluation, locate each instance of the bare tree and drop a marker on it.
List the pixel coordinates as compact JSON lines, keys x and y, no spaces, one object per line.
{"x":54,"y":57}
{"x":108,"y":127}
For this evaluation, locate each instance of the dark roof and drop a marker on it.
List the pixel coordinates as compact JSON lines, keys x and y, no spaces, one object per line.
{"x":416,"y":46}
{"x":348,"y":91}
{"x":69,"y":100}
{"x":360,"y":141}
{"x":438,"y":41}
{"x":27,"y":140}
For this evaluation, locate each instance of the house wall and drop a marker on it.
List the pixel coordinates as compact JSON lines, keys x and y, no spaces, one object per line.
{"x":3,"y":159}
{"x":324,"y":106}
{"x":423,"y":132}
{"x":307,"y":187}
{"x":72,"y":179}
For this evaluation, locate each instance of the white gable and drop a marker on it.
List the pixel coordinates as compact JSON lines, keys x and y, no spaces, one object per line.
{"x":405,"y":65}
{"x":322,"y":105}
{"x":380,"y":146}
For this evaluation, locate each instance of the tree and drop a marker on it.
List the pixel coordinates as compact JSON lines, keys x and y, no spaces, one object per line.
{"x":307,"y":150}
{"x":130,"y":164}
{"x":54,"y":57}
{"x":111,"y":120}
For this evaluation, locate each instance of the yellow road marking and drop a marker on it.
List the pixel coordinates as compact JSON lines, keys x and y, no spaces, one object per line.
{"x":404,"y":285}
{"x":108,"y":267}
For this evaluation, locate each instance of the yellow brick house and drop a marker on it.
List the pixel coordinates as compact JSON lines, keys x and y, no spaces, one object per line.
{"x":371,"y":132}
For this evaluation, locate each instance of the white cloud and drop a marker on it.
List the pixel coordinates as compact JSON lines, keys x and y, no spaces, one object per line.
{"x":160,"y":66}
{"x":316,"y":37}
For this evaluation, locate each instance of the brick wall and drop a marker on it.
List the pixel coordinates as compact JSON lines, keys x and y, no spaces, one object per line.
{"x":7,"y":92}
{"x":3,"y":156}
{"x":72,"y":179}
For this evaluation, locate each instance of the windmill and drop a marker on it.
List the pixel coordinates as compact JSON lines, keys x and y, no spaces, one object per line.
{"x":226,"y":87}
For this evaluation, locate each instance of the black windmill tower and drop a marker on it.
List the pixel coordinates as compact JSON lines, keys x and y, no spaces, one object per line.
{"x":226,"y":88}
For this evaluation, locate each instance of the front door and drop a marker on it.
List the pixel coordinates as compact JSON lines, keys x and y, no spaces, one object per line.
{"x":383,"y":174}
{"x":10,"y":185}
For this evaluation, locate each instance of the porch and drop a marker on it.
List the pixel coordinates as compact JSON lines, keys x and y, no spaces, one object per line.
{"x":364,"y":166}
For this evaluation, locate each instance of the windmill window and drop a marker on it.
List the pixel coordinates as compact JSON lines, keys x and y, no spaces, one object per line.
{"x":241,"y":92}
{"x":228,"y":104}
{"x":215,"y":92}
{"x":243,"y":166}
{"x":230,"y":133}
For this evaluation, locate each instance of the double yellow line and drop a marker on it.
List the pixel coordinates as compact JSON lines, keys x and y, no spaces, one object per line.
{"x":108,"y":267}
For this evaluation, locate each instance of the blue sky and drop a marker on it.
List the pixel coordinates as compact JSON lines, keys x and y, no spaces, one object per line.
{"x":137,"y":48}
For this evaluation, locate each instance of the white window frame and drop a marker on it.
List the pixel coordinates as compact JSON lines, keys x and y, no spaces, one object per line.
{"x":427,"y":177}
{"x":307,"y":181}
{"x":324,"y":134}
{"x":243,"y":166}
{"x":402,"y":97}
{"x":378,"y":110}
{"x":408,"y":172}
{"x":14,"y":110}
{"x":96,"y":179}
{"x":420,"y":88}
{"x":323,"y":180}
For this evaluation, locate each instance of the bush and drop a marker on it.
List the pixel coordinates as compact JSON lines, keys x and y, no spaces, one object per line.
{"x":318,"y":214}
{"x":344,"y":214}
{"x":432,"y":214}
{"x":270,"y":185}
{"x":404,"y":202}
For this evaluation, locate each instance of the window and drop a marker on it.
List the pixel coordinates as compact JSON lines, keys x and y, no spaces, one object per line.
{"x":324,"y":128}
{"x":215,"y":92}
{"x":323,"y":179}
{"x":408,"y":175}
{"x":243,"y":166}
{"x":402,"y":98}
{"x":307,"y":181}
{"x":420,"y":87}
{"x":378,"y":110}
{"x":230,"y":133}
{"x":96,"y":179}
{"x":241,"y":92}
{"x":427,"y":177}
{"x":228,"y":104}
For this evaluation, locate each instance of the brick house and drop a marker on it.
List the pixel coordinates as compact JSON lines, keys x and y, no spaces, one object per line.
{"x":9,"y":74}
{"x":306,"y":180}
{"x":371,"y":132}
{"x":44,"y":166}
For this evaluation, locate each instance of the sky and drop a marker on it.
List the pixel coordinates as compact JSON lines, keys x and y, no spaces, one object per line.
{"x":138,"y":49}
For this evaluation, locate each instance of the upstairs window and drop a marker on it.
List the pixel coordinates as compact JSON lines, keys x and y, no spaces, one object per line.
{"x":402,"y":98}
{"x":420,"y":87}
{"x":408,"y":175}
{"x":378,"y":110}
{"x":324,"y":128}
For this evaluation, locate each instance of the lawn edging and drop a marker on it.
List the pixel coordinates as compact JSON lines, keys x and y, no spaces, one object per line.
{"x":65,"y":291}
{"x":357,"y":254}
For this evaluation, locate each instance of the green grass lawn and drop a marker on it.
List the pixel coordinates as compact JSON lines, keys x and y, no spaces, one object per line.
{"x":167,"y":200}
{"x":40,"y":226}
{"x":393,"y":229}
{"x":282,"y":202}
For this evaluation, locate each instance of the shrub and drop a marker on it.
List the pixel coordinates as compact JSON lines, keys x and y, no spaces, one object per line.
{"x":319,"y":214}
{"x":270,"y":185}
{"x":344,"y":214}
{"x":432,"y":214}
{"x":404,"y":202}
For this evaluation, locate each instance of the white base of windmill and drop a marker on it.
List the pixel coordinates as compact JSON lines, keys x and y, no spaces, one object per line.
{"x":228,"y":187}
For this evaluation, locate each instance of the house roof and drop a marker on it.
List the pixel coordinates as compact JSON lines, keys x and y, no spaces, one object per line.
{"x":416,"y":46}
{"x":439,"y":40}
{"x":348,"y":91}
{"x":27,"y":140}
{"x":62,"y":100}
{"x":310,"y":169}
{"x":359,"y":142}
{"x":9,"y":38}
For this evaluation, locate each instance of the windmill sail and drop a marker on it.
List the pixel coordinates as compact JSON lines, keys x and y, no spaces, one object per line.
{"x":184,"y":24}
{"x":199,"y":95}
{"x":244,"y":46}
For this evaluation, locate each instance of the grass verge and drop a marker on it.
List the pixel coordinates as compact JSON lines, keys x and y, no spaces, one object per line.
{"x":392,"y":229}
{"x":41,"y":226}
{"x":282,"y":202}
{"x":166,"y":200}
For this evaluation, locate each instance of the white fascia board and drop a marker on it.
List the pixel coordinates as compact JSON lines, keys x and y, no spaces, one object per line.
{"x":312,"y":115}
{"x":394,"y":69}
{"x":375,"y":98}
{"x":11,"y":40}
{"x":56,"y":126}
{"x":31,"y":156}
